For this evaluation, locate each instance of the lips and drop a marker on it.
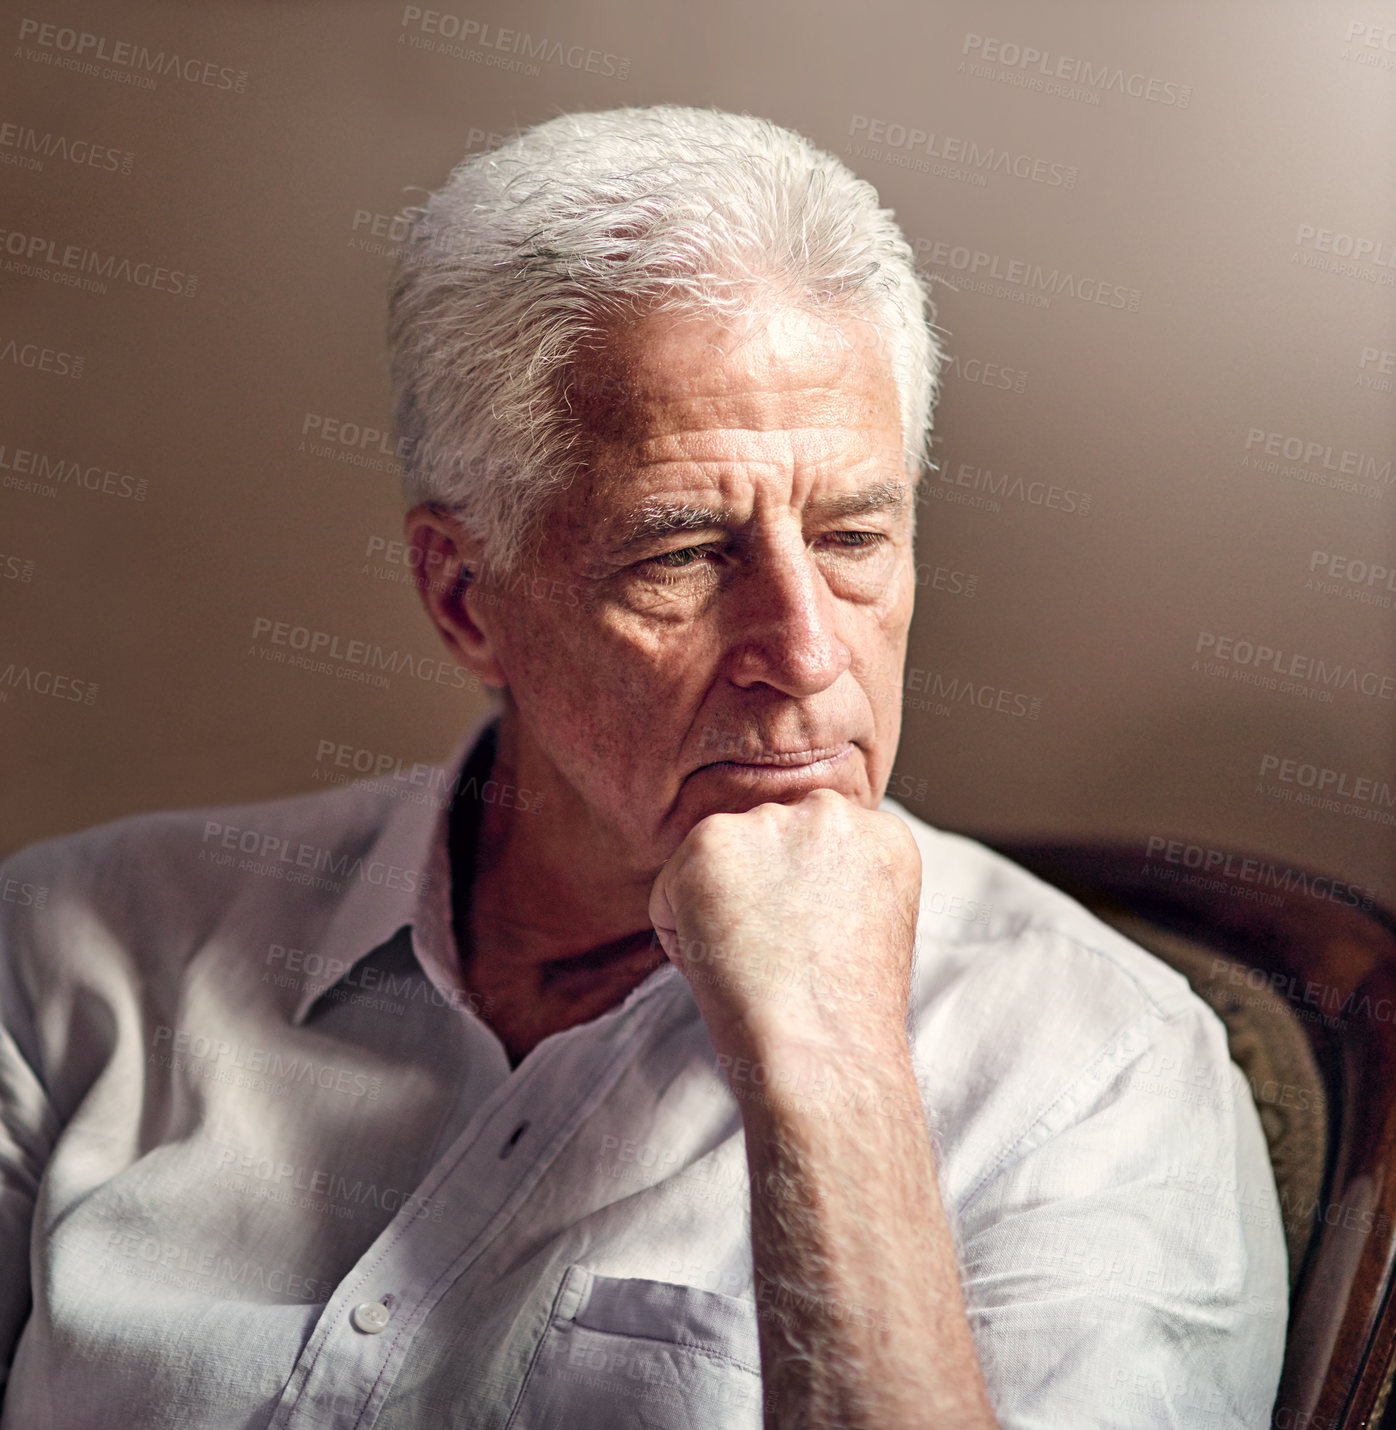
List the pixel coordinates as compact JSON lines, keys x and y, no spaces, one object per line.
{"x":784,"y":759}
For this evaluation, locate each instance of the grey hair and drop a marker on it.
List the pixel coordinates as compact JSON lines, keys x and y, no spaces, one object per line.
{"x":515,"y":267}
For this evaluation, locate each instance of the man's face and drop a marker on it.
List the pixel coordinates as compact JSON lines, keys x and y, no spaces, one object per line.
{"x":720,"y":614}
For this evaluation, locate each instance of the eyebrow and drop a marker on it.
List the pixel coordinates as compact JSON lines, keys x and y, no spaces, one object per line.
{"x":656,"y":518}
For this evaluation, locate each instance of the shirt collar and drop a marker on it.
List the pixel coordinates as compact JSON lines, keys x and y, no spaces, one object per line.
{"x":403,"y":879}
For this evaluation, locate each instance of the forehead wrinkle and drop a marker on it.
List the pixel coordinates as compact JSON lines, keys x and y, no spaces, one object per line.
{"x":750,"y":408}
{"x":813,"y":447}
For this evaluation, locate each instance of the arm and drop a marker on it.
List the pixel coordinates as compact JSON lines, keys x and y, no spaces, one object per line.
{"x":862,"y":1322}
{"x":1124,"y":1264}
{"x":27,"y":1129}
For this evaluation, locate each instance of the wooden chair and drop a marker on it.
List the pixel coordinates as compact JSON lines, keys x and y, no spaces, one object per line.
{"x":1306,"y":984}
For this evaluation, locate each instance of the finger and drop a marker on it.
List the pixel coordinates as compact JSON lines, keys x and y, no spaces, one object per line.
{"x":662,"y":915}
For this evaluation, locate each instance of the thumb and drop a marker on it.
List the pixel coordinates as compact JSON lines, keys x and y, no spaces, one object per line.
{"x":663,"y":916}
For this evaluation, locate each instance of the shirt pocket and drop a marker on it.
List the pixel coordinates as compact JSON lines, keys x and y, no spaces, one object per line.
{"x":622,"y":1353}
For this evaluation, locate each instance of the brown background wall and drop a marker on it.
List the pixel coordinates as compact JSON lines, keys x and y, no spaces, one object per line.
{"x":1222,"y":172}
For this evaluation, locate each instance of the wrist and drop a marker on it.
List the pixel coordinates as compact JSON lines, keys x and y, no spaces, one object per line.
{"x":782,"y":1035}
{"x":786,"y":1073}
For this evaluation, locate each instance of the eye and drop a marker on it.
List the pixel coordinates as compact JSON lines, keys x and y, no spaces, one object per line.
{"x":686,"y":558}
{"x":678,"y":565}
{"x":861,"y":539}
{"x":677,"y":560}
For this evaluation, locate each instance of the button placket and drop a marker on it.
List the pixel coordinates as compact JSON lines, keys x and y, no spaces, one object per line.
{"x":492,"y":1189}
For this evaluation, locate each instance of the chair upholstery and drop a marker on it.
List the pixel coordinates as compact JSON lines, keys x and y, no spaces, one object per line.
{"x":1306,"y":985}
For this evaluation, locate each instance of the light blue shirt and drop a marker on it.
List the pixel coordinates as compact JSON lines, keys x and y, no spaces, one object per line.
{"x":263,"y":1164}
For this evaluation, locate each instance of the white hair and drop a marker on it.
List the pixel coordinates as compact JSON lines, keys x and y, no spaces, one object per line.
{"x":519,"y":262}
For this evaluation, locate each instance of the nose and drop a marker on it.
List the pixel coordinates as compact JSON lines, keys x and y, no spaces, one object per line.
{"x":782,"y":618}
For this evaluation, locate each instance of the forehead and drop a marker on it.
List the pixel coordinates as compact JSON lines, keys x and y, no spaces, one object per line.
{"x":676,"y":403}
{"x":666,"y":363}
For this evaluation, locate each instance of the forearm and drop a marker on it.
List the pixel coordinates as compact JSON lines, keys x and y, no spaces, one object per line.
{"x":862,"y":1321}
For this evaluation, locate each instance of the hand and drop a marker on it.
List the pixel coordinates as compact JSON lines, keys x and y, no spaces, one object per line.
{"x":794,"y":921}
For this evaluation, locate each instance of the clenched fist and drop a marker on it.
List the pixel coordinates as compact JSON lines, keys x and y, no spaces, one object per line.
{"x":794,"y":921}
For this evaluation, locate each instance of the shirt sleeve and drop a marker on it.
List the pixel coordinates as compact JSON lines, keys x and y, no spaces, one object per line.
{"x":1126,"y":1267}
{"x":28,"y":1126}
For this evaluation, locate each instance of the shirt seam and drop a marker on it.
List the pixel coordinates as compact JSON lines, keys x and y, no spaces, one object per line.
{"x":669,"y":1341}
{"x":1090,"y":1078}
{"x":537,"y":1353}
{"x":487,"y":1234}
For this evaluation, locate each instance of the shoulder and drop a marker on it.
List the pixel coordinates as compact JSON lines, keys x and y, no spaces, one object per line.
{"x":985,"y":917}
{"x":146,"y":845}
{"x":1027,"y":1011}
{"x":171,"y":873}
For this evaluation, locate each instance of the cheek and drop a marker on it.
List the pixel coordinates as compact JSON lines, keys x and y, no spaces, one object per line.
{"x":580,"y":667}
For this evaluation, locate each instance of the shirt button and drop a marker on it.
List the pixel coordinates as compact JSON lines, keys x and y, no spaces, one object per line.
{"x":370,"y":1317}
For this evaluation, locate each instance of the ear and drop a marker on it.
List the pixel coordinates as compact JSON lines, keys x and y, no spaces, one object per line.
{"x":448,"y":559}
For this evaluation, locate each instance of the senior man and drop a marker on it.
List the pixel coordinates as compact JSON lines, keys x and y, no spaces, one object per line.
{"x":666,"y":1074}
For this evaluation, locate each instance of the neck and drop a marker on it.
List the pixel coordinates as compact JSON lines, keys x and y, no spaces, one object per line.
{"x":549,"y":924}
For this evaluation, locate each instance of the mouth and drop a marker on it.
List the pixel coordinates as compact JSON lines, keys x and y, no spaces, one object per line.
{"x":784,"y":764}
